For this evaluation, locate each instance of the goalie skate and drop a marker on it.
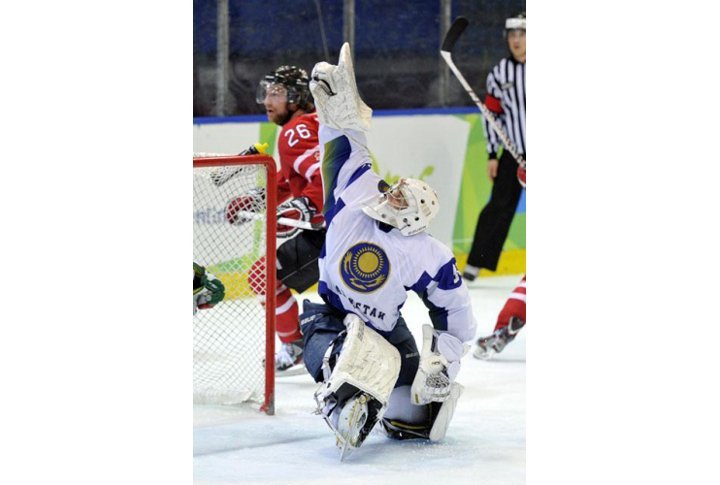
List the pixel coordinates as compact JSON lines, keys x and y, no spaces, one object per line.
{"x":351,"y":422}
{"x":355,"y":391}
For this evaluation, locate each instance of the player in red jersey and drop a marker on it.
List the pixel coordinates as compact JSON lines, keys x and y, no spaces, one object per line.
{"x":285,"y":94}
{"x":510,"y":320}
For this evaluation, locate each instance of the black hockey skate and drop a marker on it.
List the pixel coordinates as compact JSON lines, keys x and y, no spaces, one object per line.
{"x":495,"y":343}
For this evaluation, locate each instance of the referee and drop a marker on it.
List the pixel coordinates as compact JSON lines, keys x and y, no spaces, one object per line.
{"x":506,"y":99}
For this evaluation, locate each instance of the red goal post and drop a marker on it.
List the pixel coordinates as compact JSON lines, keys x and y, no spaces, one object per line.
{"x":234,"y":342}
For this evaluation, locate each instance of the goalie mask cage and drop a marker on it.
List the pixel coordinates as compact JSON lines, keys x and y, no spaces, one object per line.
{"x":234,"y":341}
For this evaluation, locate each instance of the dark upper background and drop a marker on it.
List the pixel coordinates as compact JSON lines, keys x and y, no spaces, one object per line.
{"x":396,"y":49}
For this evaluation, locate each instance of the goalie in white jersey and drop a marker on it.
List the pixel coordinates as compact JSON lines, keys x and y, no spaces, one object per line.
{"x":376,"y":250}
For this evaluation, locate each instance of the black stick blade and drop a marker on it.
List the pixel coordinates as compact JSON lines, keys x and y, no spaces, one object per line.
{"x":456,"y":29}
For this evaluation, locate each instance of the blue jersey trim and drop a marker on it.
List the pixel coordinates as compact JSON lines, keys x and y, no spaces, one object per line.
{"x":438,"y":315}
{"x":333,"y":211}
{"x":421,"y":284}
{"x":337,"y":152}
{"x":358,"y":173}
{"x":446,"y":277}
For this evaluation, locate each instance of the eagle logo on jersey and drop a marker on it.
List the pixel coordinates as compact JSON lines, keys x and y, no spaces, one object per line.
{"x":365,"y":267}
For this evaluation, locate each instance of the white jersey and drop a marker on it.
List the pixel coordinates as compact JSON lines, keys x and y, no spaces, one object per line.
{"x":367,"y":267}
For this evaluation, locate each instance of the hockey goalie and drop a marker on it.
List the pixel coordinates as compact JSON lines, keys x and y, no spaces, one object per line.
{"x":357,"y":343}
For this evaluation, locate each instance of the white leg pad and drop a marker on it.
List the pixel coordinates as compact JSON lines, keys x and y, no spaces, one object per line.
{"x":367,"y":361}
{"x":445,"y":414}
{"x":400,"y":408}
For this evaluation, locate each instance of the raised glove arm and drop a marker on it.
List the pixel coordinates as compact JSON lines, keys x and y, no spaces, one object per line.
{"x":252,"y":201}
{"x":439,"y":365}
{"x":336,"y":95}
{"x":298,"y":209}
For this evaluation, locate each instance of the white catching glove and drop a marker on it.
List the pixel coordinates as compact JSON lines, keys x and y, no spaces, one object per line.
{"x":439,"y":365}
{"x":336,"y":96}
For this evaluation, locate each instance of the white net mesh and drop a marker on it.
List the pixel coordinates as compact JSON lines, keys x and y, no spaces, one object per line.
{"x":229,"y":234}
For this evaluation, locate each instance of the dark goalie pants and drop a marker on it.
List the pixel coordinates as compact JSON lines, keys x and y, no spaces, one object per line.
{"x":322,"y":325}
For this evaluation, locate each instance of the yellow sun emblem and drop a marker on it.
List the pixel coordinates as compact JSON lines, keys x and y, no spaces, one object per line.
{"x":365,"y":267}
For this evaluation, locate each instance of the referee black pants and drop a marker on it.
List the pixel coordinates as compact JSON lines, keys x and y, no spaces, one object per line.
{"x":495,"y":219}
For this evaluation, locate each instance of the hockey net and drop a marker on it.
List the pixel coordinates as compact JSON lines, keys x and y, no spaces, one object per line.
{"x":233,"y":342}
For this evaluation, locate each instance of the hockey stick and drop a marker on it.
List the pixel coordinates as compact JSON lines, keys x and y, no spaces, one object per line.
{"x":282,"y":221}
{"x":456,"y":29}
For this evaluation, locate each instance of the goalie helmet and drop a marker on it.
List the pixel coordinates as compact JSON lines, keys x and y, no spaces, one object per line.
{"x":408,"y":205}
{"x":518,"y":22}
{"x":294,"y":79}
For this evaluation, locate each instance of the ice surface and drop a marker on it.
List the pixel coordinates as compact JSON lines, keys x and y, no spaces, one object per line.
{"x":484,"y":444}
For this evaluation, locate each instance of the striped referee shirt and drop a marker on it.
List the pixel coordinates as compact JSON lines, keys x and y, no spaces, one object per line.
{"x":506,"y":98}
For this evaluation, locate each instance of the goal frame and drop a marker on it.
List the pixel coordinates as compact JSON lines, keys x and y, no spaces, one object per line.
{"x":268,"y":405}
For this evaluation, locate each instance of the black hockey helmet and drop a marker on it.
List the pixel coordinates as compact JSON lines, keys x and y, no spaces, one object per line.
{"x":295,"y":80}
{"x":517,"y":22}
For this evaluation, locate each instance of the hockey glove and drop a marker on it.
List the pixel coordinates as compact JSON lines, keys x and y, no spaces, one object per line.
{"x":336,"y":95}
{"x":298,"y":209}
{"x":241,"y":209}
{"x":439,"y":365}
{"x":255,"y":149}
{"x":212,"y":293}
{"x":198,"y":289}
